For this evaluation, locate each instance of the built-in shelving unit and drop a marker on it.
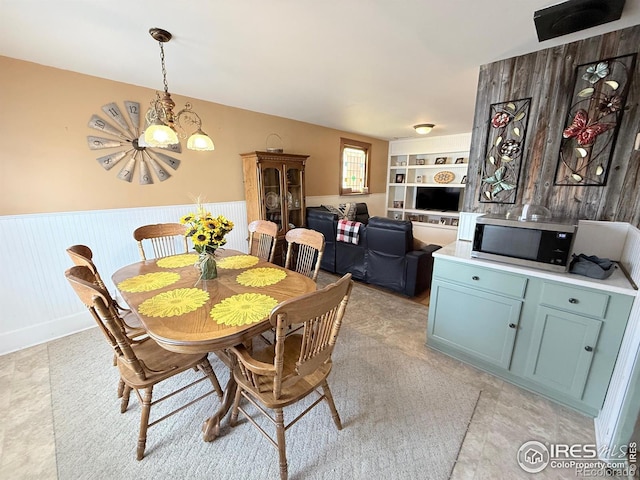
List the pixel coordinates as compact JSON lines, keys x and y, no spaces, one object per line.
{"x":434,"y":162}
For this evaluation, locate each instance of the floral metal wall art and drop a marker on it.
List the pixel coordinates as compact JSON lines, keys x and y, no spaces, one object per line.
{"x":505,"y":145}
{"x":593,"y":120}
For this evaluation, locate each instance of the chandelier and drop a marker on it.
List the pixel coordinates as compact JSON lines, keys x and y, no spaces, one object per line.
{"x":164,"y":128}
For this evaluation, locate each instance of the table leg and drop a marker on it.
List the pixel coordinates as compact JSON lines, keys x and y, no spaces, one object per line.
{"x":211,"y":427}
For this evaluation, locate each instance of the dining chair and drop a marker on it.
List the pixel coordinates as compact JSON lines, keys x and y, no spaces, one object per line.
{"x":304,"y":251}
{"x":296,"y":366}
{"x":144,"y":364}
{"x":263,"y":236}
{"x":82,"y":255}
{"x":164,"y":238}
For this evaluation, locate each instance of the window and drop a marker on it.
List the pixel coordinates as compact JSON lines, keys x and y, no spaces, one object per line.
{"x":354,"y":167}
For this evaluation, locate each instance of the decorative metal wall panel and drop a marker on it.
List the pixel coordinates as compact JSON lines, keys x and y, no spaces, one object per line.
{"x":593,"y":120}
{"x":505,"y":146}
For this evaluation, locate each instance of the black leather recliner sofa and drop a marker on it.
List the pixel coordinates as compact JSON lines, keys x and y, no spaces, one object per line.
{"x":384,"y":255}
{"x":340,"y":257}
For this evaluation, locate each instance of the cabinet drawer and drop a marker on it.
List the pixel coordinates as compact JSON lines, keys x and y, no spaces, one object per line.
{"x":485,"y":278}
{"x":576,"y":300}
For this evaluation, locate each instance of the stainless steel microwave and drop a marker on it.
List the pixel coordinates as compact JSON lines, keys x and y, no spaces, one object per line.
{"x":542,"y":244}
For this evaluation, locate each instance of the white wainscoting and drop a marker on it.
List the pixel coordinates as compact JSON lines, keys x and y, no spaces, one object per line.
{"x":38,"y":304}
{"x":467,"y":225}
{"x":631,"y":254}
{"x":615,"y":421}
{"x":603,"y":239}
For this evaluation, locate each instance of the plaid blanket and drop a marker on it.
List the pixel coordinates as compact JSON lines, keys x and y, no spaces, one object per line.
{"x":348,"y":231}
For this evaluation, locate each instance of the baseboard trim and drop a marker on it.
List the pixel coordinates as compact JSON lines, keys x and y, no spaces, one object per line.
{"x":44,"y":332}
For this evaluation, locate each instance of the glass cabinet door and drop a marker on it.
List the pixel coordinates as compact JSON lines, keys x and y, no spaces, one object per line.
{"x":294,"y":197}
{"x":272,"y":195}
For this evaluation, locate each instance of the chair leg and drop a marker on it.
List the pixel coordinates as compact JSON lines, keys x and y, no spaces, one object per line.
{"x":208,"y":371}
{"x":236,"y":404}
{"x":126,"y":393}
{"x":120,"y":388}
{"x":115,"y":360}
{"x":282,"y":450}
{"x":332,"y":406}
{"x":144,"y":422}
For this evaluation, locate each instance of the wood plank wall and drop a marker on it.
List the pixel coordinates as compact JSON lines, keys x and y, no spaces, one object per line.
{"x":547,"y":77}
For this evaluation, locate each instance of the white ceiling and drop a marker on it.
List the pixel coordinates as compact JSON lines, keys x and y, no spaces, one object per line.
{"x":373,"y":67}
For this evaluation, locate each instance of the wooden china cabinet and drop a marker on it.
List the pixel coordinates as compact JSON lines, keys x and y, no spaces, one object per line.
{"x":275,"y":191}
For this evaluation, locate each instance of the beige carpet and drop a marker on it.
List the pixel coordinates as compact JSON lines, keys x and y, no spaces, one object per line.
{"x":402,"y":417}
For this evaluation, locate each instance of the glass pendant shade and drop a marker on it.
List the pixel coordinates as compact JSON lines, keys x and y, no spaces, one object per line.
{"x":200,"y":141}
{"x":159,"y":135}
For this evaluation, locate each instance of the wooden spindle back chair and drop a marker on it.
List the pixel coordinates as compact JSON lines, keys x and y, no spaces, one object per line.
{"x":305,"y":248}
{"x":263,"y":236}
{"x":163,"y":238}
{"x":297,"y":365}
{"x":142,"y":365}
{"x":83,"y":256}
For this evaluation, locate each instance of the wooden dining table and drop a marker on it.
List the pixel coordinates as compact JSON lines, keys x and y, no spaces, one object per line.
{"x":186,"y":314}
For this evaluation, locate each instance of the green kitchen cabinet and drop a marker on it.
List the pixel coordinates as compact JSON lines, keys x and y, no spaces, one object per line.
{"x":483,"y":325}
{"x":550,"y":337}
{"x":562,"y":349}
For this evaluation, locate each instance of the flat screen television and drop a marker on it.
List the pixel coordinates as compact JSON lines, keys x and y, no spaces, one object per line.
{"x":438,"y":198}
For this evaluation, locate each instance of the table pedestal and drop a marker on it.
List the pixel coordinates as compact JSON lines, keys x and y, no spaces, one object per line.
{"x":211,"y":427}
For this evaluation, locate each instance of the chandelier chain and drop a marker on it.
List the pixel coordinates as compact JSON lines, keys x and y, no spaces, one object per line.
{"x":164,"y":70}
{"x":165,"y":127}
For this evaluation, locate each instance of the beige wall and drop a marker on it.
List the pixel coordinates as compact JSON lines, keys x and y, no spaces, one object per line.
{"x":47,"y":166}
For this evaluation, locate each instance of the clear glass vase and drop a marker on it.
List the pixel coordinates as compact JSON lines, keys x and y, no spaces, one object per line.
{"x":207,"y":266}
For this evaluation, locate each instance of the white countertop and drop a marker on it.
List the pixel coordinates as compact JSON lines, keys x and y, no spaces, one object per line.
{"x":460,"y":251}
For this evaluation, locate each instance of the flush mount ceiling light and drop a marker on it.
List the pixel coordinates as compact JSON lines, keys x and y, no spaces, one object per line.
{"x":163,"y":126}
{"x":423,"y":128}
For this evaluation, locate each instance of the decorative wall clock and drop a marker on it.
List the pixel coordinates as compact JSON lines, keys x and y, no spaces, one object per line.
{"x":130,"y":144}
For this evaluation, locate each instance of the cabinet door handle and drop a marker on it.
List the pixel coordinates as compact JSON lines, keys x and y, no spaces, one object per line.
{"x":512,"y":325}
{"x":588,"y":348}
{"x":573,"y":300}
{"x":475,"y":277}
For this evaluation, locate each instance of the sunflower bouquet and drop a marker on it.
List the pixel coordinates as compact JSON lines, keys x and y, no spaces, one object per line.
{"x":206,"y":231}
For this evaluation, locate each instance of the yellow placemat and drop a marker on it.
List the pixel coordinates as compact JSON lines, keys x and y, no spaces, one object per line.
{"x":237,"y":261}
{"x":174,"y":302}
{"x":176,"y":261}
{"x":148,"y":282}
{"x":261,"y":277}
{"x":243,"y":309}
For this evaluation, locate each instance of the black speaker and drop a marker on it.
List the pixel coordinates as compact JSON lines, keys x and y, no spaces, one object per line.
{"x":575,"y":15}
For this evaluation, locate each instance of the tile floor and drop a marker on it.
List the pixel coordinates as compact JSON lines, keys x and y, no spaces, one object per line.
{"x":506,"y":416}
